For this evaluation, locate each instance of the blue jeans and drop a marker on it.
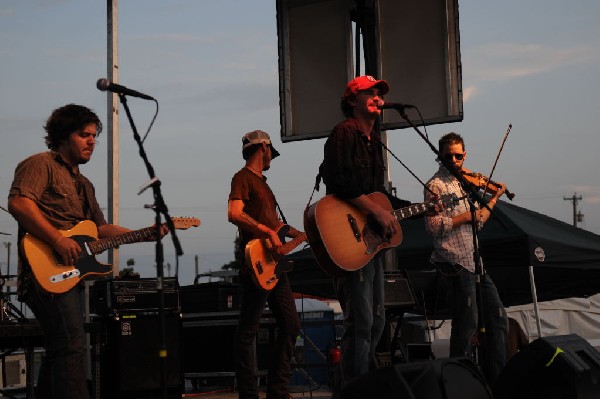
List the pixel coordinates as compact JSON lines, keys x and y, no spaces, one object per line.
{"x":281,"y":304}
{"x":62,"y":372}
{"x":462,"y":298}
{"x":361,"y":297}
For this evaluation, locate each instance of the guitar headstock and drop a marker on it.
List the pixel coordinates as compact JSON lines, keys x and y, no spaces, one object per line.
{"x":182,"y":223}
{"x":445,"y":201}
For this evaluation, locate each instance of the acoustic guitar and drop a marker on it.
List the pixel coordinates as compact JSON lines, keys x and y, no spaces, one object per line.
{"x":343,"y":238}
{"x":57,"y":278}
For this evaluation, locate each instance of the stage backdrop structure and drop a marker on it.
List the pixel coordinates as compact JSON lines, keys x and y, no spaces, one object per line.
{"x":414,"y":45}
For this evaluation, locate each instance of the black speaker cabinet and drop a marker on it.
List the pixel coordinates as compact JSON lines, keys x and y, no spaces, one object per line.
{"x":561,"y":367}
{"x":208,"y":341}
{"x":398,"y":292}
{"x":456,"y":378}
{"x":130,"y":366}
{"x":210,"y":297}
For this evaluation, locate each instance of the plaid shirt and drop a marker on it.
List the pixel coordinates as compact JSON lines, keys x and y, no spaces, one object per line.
{"x":450,"y":244}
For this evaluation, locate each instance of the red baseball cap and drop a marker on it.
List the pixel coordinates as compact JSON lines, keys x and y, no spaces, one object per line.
{"x":366,"y":82}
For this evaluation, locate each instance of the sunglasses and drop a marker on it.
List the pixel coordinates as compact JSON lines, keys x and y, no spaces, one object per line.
{"x":457,"y":156}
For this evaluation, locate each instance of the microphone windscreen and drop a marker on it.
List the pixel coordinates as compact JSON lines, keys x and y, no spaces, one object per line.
{"x":102,"y":84}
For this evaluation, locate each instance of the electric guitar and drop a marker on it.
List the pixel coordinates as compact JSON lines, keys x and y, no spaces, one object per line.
{"x":57,"y":278}
{"x":343,"y":238}
{"x":265,"y":268}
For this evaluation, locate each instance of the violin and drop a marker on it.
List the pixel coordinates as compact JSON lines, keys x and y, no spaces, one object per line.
{"x":481,"y":181}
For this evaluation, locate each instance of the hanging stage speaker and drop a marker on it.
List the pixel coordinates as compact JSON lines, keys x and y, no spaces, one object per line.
{"x":456,"y":378}
{"x":564,"y":366}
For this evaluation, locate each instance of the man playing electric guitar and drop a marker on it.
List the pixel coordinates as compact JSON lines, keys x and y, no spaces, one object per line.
{"x":49,"y":194}
{"x":252,"y":207}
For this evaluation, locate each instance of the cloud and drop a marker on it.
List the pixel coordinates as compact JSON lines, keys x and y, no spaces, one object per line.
{"x":500,"y":62}
{"x":469,"y":92}
{"x":589,"y":194}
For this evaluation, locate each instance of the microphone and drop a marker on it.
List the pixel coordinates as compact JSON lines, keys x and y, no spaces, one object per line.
{"x":397,"y":106}
{"x":106,"y":85}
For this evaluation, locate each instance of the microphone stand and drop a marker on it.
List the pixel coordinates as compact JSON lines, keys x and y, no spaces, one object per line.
{"x":159,"y":208}
{"x":473,"y":197}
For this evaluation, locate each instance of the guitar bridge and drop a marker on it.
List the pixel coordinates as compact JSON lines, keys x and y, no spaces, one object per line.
{"x":354,"y":227}
{"x":57,"y":278}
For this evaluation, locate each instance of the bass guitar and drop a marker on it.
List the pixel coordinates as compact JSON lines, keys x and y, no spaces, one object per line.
{"x":343,"y":238}
{"x":57,"y":278}
{"x":265,"y":268}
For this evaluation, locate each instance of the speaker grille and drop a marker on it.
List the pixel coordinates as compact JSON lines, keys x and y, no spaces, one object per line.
{"x":398,"y":291}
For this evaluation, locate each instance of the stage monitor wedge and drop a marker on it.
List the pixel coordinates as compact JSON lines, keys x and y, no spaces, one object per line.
{"x":418,"y":52}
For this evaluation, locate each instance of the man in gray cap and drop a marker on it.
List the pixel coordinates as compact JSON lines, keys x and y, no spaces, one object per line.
{"x":253,"y":208}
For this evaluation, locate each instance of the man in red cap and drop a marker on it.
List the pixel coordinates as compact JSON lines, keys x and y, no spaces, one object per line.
{"x":353,"y":167}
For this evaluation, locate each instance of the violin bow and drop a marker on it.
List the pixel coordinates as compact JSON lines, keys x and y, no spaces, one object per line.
{"x":497,"y":157}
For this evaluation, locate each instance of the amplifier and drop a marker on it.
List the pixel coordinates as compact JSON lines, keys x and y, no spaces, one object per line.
{"x":114,"y":296}
{"x":210,"y":297}
{"x":398,"y":291}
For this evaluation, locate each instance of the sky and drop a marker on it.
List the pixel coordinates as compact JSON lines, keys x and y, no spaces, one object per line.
{"x":213,"y":67}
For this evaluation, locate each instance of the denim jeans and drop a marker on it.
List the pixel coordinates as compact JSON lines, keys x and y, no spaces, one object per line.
{"x":462,"y":298}
{"x":281,"y":304}
{"x":361,"y":297}
{"x":62,"y":372}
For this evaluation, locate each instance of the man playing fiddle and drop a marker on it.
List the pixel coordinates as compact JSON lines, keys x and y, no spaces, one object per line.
{"x":453,"y":257}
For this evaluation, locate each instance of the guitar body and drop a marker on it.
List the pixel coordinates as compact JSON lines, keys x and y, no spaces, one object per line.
{"x":343,"y":238}
{"x":47,"y":265}
{"x":265,"y":268}
{"x":56,"y":278}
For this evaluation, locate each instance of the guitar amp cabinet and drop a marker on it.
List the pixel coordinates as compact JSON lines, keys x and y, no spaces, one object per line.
{"x":115,"y":296}
{"x":398,"y":290}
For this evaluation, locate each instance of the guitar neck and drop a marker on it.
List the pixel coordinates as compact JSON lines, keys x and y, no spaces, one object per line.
{"x":290,"y":245}
{"x":411,"y":210}
{"x":102,"y":245}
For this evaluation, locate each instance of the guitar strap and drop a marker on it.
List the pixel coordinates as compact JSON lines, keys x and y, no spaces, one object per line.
{"x":316,"y":187}
{"x":280,"y":212}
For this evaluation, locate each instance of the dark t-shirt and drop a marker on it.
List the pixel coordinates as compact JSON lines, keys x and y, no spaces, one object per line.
{"x":259,"y":201}
{"x":353,"y":165}
{"x":63,"y":196}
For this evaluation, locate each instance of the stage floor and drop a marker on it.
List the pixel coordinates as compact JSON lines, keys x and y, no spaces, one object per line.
{"x":227,"y":394}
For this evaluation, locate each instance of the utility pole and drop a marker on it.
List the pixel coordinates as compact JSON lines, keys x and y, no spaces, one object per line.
{"x":577,"y":216}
